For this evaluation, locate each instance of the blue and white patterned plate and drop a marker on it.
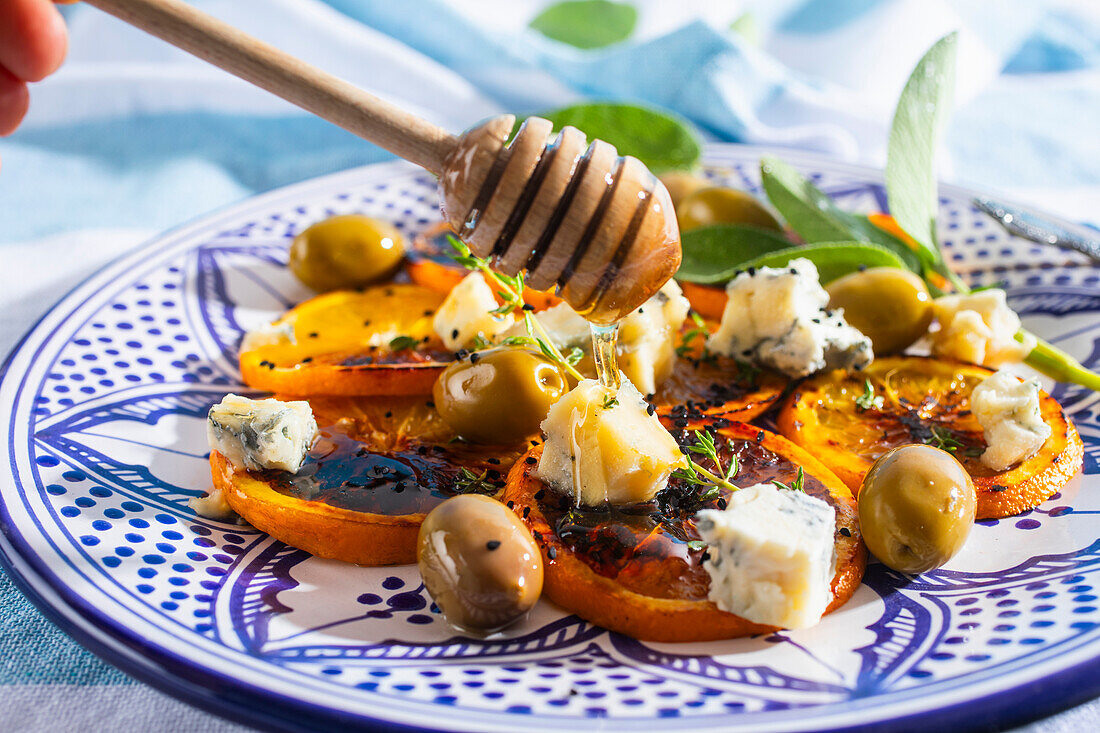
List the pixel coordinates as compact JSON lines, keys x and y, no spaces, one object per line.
{"x":107,"y":399}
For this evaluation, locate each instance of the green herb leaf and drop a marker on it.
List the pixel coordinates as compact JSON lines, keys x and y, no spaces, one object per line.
{"x":833,"y":259}
{"x":610,"y":401}
{"x":401,"y":343}
{"x":658,"y":139}
{"x":696,"y":545}
{"x":811,"y":213}
{"x":869,"y":400}
{"x":712,"y":253}
{"x":799,"y":483}
{"x":587,"y":23}
{"x":919,"y":120}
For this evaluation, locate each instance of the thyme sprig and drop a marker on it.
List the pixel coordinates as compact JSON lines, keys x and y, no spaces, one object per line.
{"x":799,"y":483}
{"x":695,"y":475}
{"x":510,"y":290}
{"x":400,"y":343}
{"x":687,"y":338}
{"x":943,"y":439}
{"x":469,"y":482}
{"x":869,"y":400}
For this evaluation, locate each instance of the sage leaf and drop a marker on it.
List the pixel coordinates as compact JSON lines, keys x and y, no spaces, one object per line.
{"x":711,"y":253}
{"x":587,"y":23}
{"x":658,"y":139}
{"x":833,"y":259}
{"x":815,"y":217}
{"x":919,"y":120}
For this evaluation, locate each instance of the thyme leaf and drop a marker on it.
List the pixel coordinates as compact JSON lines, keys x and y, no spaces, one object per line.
{"x":869,"y":400}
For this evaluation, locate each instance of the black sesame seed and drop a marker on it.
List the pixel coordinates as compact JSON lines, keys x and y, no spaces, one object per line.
{"x":492,"y":545}
{"x":307,"y":360}
{"x":650,"y":409}
{"x":760,"y":436}
{"x":530,"y":460}
{"x":475,"y":358}
{"x":528,"y":307}
{"x":846,"y":532}
{"x":552,"y":553}
{"x":722,"y":503}
{"x":454,"y":333}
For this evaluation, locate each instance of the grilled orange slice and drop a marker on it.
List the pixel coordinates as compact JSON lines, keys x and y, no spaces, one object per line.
{"x":924,"y":401}
{"x":377,"y":341}
{"x":379,"y":466}
{"x":630,"y":569}
{"x":430,"y":265}
{"x":709,"y":301}
{"x":717,"y":386}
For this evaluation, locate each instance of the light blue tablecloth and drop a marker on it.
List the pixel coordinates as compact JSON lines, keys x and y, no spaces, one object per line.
{"x":132,"y":137}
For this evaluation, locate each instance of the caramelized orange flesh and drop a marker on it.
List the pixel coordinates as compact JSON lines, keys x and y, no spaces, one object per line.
{"x":717,"y":386}
{"x":344,"y":345}
{"x":430,"y":265}
{"x":925,"y":401}
{"x":630,"y":569}
{"x":709,"y":301}
{"x":379,"y":465}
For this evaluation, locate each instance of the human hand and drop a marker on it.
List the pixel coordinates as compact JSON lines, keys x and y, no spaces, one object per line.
{"x":33,"y":42}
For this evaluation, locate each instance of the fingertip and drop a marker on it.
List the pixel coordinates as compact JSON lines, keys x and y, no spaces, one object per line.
{"x":52,"y":45}
{"x":33,"y":38}
{"x":14,"y":101}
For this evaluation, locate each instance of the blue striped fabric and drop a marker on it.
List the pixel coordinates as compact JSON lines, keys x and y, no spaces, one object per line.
{"x":134,"y":137}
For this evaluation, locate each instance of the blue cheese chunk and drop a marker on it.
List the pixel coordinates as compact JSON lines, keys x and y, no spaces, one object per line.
{"x":466,"y":313}
{"x":1011,"y":418}
{"x":979,"y":328}
{"x":604,"y":447}
{"x":777,"y":318}
{"x":261,"y":434}
{"x":270,"y":334}
{"x":646,"y":348}
{"x":771,"y":555}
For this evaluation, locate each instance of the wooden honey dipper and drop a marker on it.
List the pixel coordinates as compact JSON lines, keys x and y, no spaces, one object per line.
{"x":580,"y":216}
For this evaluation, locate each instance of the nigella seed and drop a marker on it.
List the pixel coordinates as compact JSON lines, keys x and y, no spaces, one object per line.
{"x":846,"y":532}
{"x":863,"y":268}
{"x":307,"y":360}
{"x":493,"y":461}
{"x":389,"y":413}
{"x":722,"y":503}
{"x":552,"y":553}
{"x":760,"y":436}
{"x":430,"y":404}
{"x":399,"y":486}
{"x":492,"y":545}
{"x":530,"y":460}
{"x":539,"y":494}
{"x":454,"y":333}
{"x":429,"y":312}
{"x":704,"y":557}
{"x":528,"y":307}
{"x":511,"y":505}
{"x":313,"y":334}
{"x":475,"y":357}
{"x":526,"y":511}
{"x":751,"y":271}
{"x":650,"y":409}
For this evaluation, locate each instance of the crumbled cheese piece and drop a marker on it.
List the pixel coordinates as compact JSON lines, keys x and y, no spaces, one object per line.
{"x":213,"y":506}
{"x":771,"y":555}
{"x":465,"y":314}
{"x":1011,"y":418}
{"x":269,"y":334}
{"x":647,"y":338}
{"x":619,"y":453}
{"x":978,"y":328}
{"x":777,"y":318}
{"x":646,"y":348}
{"x":261,"y":434}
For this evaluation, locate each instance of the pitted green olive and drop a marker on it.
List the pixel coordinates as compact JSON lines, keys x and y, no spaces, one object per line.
{"x":498,"y":396}
{"x":346,"y":252}
{"x":916,"y":508}
{"x":479,"y":563}
{"x":723,"y":206}
{"x":891,"y":307}
{"x":680,"y":185}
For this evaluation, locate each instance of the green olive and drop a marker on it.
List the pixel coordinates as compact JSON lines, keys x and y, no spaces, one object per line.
{"x":680,"y":185}
{"x":346,"y":252}
{"x":890,"y":306}
{"x":479,"y":563}
{"x":723,"y":206}
{"x":499,"y":396}
{"x":916,"y":508}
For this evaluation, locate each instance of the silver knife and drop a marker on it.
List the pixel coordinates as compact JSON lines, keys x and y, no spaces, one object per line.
{"x":1038,"y":229}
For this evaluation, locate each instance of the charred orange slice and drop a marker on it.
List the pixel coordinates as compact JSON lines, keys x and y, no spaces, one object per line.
{"x":924,"y":401}
{"x":430,"y":265}
{"x":717,"y":386}
{"x":633,"y":569}
{"x":377,"y":341}
{"x":377,"y":468}
{"x":709,"y":301}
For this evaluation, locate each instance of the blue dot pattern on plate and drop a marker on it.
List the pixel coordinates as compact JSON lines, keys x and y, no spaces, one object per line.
{"x":118,"y":382}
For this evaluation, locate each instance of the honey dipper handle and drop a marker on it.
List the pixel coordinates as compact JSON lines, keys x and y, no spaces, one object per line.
{"x":312,"y":89}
